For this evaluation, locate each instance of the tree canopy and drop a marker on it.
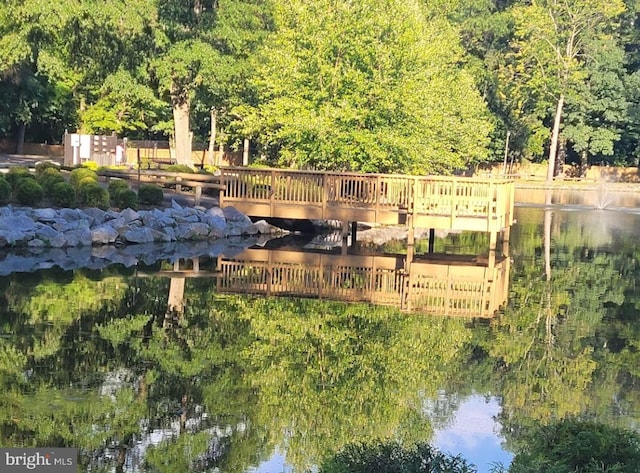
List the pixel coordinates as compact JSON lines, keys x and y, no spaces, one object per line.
{"x":434,"y":87}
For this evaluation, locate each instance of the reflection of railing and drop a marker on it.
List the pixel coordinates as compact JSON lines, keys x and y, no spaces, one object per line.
{"x":424,"y":201}
{"x":461,"y":287}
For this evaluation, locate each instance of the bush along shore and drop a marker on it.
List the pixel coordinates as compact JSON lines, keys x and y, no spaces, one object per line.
{"x":66,"y":227}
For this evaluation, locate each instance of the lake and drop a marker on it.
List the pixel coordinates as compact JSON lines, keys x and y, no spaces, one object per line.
{"x":171,"y":366}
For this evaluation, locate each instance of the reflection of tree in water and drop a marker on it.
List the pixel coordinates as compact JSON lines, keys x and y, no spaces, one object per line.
{"x":333,"y":373}
{"x":228,"y":380}
{"x":549,"y":349}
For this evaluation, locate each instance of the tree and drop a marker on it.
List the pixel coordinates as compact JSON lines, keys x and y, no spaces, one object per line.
{"x":549,"y":52}
{"x":597,"y":109}
{"x":198,"y":55}
{"x":348,"y":86}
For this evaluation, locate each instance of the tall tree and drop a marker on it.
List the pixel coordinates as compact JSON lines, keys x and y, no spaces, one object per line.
{"x":346,"y":85}
{"x":202,"y":40}
{"x":597,"y":109}
{"x":549,"y":53}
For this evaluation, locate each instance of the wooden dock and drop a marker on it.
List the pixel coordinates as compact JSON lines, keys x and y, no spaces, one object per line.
{"x":435,"y":202}
{"x":443,"y":285}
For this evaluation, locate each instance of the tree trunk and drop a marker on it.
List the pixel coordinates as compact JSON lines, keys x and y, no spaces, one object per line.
{"x":22,"y":129}
{"x":548,"y":215}
{"x":555,"y":133}
{"x":182,"y":131}
{"x":212,"y":137}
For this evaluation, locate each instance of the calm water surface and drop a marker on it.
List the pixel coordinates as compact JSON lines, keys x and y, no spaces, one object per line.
{"x":151,"y":369}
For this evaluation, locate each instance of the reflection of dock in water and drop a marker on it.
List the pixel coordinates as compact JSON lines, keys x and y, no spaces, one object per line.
{"x":440,"y":284}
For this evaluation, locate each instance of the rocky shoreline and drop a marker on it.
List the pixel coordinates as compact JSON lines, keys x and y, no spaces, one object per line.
{"x":63,"y":228}
{"x":33,"y":239}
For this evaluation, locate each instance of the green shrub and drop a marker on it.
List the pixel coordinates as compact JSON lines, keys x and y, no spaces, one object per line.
{"x":17,"y":172}
{"x":93,"y":194}
{"x":91,"y":165}
{"x":63,"y":194}
{"x":392,"y":457}
{"x":48,"y":178}
{"x":5,"y":189}
{"x":79,"y":174}
{"x":180,"y":168}
{"x":150,"y":195}
{"x":43,"y":166}
{"x":578,"y":447}
{"x":116,"y":185}
{"x":89,"y":180}
{"x":125,"y":198}
{"x":28,"y":191}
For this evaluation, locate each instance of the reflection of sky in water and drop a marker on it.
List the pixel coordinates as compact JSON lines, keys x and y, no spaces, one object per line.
{"x":275,"y":464}
{"x":474,"y":434}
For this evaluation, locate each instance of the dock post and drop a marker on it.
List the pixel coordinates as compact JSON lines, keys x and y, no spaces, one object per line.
{"x":432,"y":239}
{"x":411,"y":231}
{"x":493,"y":240}
{"x":345,"y":229}
{"x":354,"y":233}
{"x":345,"y":237}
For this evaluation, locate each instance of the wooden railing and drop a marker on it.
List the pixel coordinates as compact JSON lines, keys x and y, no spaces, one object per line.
{"x":440,"y":287}
{"x":422,"y":201}
{"x":175,"y":180}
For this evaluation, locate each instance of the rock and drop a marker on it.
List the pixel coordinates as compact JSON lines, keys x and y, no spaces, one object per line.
{"x":265,"y":228}
{"x":45,"y":215}
{"x":18,"y":222}
{"x":96,"y":214}
{"x":233,"y":215}
{"x":129,"y":215}
{"x":138,"y":235}
{"x":46,"y":234}
{"x":104,"y":234}
{"x":215,"y":212}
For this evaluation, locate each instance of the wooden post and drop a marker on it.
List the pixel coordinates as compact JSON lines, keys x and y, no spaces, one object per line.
{"x":198,"y":196}
{"x":139,"y":164}
{"x":354,"y":233}
{"x":345,"y":229}
{"x":432,"y":239}
{"x":411,"y":232}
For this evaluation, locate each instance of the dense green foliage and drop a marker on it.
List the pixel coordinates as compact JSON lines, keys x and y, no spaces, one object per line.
{"x":435,"y":87}
{"x":150,"y":195}
{"x":28,"y":191}
{"x":125,"y":198}
{"x":77,"y":175}
{"x":63,"y":194}
{"x":117,"y":185}
{"x":392,"y":457}
{"x":580,"y":447}
{"x":5,"y":190}
{"x":92,"y":194}
{"x":16,"y":173}
{"x":48,"y":178}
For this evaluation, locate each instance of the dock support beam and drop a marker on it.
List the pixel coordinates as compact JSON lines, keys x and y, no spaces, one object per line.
{"x":411,"y":231}
{"x":354,"y":233}
{"x":432,"y":239}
